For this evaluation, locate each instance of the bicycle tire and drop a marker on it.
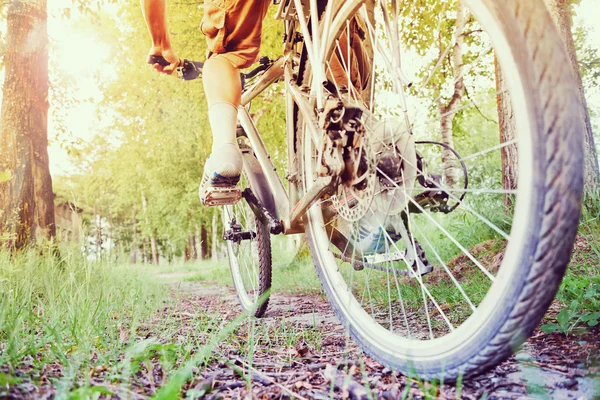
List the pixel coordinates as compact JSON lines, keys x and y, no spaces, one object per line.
{"x":549,"y":209}
{"x":257,"y":251}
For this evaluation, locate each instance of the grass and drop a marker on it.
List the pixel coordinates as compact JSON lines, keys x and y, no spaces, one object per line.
{"x":68,"y":312}
{"x":579,"y":293}
{"x":293,"y":272}
{"x":74,"y":323}
{"x":92,"y":328}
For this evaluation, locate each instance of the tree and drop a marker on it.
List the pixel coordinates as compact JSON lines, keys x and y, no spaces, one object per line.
{"x":560,"y":11}
{"x":453,"y":47}
{"x":26,"y":200}
{"x":448,"y":110}
{"x":506,"y":125}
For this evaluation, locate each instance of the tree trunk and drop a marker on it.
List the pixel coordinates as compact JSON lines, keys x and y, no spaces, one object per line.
{"x":186,"y":251}
{"x":506,"y":124}
{"x":190,"y":248}
{"x":98,"y":226}
{"x":194,"y":246}
{"x":204,"y":242}
{"x":198,"y":242}
{"x":154,"y":249}
{"x":111,"y":232}
{"x":448,"y":111}
{"x":560,"y":11}
{"x":213,"y":243}
{"x":152,"y":235}
{"x":26,"y":201}
{"x":144,"y":251}
{"x":448,"y":158}
{"x":134,"y":245}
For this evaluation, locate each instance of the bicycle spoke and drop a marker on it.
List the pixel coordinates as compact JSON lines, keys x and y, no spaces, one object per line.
{"x":461,"y":247}
{"x":415,"y":275}
{"x":442,"y":188}
{"x":401,"y":300}
{"x":446,"y":269}
{"x":489,"y":150}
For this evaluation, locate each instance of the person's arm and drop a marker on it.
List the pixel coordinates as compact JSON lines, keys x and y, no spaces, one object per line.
{"x":156,"y":19}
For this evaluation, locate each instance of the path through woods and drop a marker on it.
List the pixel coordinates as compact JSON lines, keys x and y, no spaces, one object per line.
{"x":301,"y":351}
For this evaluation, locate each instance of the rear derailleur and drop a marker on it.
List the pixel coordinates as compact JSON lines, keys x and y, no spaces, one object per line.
{"x":435,"y":197}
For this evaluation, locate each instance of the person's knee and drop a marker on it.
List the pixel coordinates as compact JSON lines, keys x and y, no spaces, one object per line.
{"x":221,"y":81}
{"x":217,"y":63}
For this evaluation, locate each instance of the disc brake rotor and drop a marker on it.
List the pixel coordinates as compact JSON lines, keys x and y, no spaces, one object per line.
{"x":355,"y":194}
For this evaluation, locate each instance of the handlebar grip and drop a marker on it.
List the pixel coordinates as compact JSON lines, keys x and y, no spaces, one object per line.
{"x":160,"y":60}
{"x":188,"y":70}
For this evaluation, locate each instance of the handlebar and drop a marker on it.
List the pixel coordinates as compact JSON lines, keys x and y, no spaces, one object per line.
{"x":190,"y":70}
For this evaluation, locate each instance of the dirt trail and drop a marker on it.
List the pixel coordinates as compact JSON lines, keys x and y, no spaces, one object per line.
{"x":301,"y":351}
{"x":548,"y":366}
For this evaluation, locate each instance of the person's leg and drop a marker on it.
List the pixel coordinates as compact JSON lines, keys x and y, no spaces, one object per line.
{"x":229,"y":51}
{"x":221,"y":81}
{"x":223,"y":90}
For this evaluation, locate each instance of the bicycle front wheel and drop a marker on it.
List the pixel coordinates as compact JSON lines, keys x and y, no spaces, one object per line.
{"x":248,"y":246}
{"x":434,"y":276}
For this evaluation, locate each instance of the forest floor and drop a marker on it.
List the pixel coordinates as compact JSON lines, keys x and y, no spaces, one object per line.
{"x":195,"y":346}
{"x":299,"y":349}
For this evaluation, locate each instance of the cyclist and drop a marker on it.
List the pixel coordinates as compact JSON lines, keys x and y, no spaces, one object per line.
{"x":233,"y":35}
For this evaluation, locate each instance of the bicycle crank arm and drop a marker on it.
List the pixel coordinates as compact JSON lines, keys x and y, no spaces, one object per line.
{"x":313,"y":194}
{"x":274,"y":225}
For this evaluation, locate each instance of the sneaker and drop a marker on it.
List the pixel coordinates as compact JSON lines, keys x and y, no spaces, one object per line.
{"x":221,"y":175}
{"x":371,"y":238}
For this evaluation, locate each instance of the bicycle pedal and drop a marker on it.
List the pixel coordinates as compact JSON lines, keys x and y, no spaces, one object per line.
{"x":222,"y":196}
{"x":386,"y":257}
{"x":423,"y":268}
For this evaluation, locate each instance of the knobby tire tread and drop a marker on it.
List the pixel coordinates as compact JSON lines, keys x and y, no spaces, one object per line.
{"x":263,"y":244}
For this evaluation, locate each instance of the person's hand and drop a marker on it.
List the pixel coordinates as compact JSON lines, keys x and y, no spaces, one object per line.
{"x":168,"y":55}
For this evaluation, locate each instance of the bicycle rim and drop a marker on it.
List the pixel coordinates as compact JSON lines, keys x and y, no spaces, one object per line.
{"x":439,"y":325}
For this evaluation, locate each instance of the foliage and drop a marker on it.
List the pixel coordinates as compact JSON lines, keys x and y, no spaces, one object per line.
{"x":576,"y":314}
{"x":579,"y":292}
{"x":153,"y":134}
{"x":5,"y":176}
{"x":588,"y":57}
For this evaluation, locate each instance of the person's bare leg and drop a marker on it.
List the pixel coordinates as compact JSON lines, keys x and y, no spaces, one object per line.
{"x":223,"y":90}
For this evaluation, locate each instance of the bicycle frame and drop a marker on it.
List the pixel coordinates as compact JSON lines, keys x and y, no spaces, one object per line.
{"x":290,"y":220}
{"x":290,"y":208}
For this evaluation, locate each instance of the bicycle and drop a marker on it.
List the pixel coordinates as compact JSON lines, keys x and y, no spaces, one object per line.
{"x":359,"y":184}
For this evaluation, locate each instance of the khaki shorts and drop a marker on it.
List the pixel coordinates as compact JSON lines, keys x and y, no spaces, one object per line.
{"x":233,"y":29}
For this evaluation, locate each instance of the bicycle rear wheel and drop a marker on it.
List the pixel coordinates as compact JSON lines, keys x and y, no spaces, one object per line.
{"x":497,"y":257}
{"x":248,"y":245}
